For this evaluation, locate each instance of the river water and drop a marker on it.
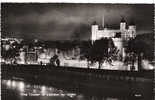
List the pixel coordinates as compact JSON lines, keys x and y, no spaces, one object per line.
{"x":21,"y":90}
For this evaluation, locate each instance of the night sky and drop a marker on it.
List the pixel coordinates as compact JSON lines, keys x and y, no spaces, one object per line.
{"x":68,"y":21}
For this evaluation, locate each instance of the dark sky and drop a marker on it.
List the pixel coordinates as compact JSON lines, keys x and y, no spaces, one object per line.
{"x":68,"y":21}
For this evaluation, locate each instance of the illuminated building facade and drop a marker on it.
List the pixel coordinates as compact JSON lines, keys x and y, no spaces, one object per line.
{"x":124,"y":33}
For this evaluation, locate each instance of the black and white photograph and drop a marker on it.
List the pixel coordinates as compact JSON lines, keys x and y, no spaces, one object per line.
{"x":77,"y":51}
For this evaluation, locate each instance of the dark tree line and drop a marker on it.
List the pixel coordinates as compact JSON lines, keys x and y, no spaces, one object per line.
{"x":101,"y":50}
{"x":139,"y":49}
{"x":11,"y":53}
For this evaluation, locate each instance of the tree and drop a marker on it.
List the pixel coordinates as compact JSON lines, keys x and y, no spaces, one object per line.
{"x":102,"y":50}
{"x":137,"y":47}
{"x":10,"y":54}
{"x":85,"y":49}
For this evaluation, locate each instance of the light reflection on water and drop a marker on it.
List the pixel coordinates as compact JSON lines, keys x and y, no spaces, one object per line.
{"x":25,"y":89}
{"x":29,"y":90}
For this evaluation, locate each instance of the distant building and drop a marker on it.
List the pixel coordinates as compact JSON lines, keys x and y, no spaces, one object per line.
{"x":105,"y":32}
{"x":22,"y":56}
{"x":118,"y":36}
{"x":31,"y":57}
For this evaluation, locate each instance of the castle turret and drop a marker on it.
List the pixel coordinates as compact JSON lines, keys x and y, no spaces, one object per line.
{"x":94,"y":29}
{"x":132,"y":29}
{"x":122,"y":25}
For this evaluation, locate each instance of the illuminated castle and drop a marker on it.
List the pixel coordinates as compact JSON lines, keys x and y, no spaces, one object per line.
{"x":117,"y":35}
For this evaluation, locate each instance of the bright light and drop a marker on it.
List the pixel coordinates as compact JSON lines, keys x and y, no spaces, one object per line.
{"x":14,"y":84}
{"x":71,"y":95}
{"x":147,"y":65}
{"x":138,"y":95}
{"x":43,"y":90}
{"x":21,"y":86}
{"x":9,"y":83}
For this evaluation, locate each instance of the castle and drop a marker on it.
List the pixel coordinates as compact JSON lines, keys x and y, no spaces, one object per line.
{"x":118,"y":36}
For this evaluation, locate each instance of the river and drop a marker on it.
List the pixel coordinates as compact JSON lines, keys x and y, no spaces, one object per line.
{"x":21,"y":90}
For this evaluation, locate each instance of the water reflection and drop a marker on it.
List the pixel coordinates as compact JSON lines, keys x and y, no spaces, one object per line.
{"x":13,"y":83}
{"x":28,"y":91}
{"x":21,"y":86}
{"x":25,"y":89}
{"x":8,"y":83}
{"x":43,"y":90}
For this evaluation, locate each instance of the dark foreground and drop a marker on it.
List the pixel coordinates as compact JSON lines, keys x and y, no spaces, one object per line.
{"x":92,"y":82}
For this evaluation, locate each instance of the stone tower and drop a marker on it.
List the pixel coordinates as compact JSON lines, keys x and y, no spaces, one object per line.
{"x":94,"y":30}
{"x":132,"y":30}
{"x":123,"y":25}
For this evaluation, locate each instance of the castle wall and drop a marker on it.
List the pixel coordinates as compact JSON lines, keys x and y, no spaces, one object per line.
{"x":118,"y":42}
{"x":106,"y":33}
{"x":94,"y":30}
{"x":132,"y":31}
{"x":123,"y":26}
